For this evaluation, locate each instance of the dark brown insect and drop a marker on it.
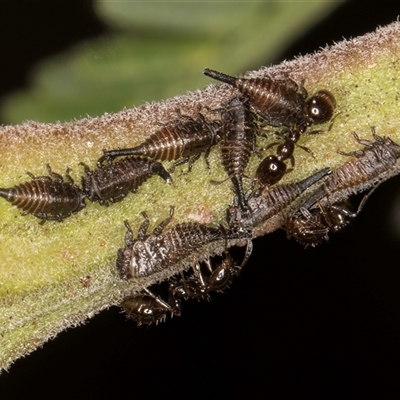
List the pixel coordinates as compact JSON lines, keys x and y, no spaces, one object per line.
{"x":238,"y":144}
{"x":146,"y":308}
{"x":199,"y":286}
{"x":112,"y":182}
{"x":282,"y":102}
{"x":179,"y":139}
{"x":379,"y":157}
{"x":311,"y":227}
{"x":272,"y":169}
{"x":47,"y":197}
{"x":271,"y":201}
{"x":183,"y":244}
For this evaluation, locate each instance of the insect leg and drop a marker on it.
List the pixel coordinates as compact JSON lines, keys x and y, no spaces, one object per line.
{"x":160,"y":227}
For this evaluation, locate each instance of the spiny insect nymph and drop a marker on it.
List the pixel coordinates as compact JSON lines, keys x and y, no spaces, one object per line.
{"x":112,"y":182}
{"x":238,"y":144}
{"x":272,"y":201}
{"x":378,"y":157}
{"x":46,"y":197}
{"x":282,"y":102}
{"x":154,"y":253}
{"x":178,"y":139}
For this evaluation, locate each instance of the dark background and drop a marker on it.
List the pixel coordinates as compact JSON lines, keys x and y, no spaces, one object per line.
{"x":309,"y":323}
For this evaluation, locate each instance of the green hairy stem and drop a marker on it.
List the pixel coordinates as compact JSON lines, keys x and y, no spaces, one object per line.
{"x":58,"y":275}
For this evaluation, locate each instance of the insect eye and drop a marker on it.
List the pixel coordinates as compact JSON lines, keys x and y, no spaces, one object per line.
{"x":320,"y":106}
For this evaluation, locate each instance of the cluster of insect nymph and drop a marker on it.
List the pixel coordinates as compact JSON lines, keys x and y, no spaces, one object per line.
{"x":281,"y":104}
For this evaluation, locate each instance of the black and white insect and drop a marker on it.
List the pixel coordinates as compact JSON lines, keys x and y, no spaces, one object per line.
{"x":180,"y":139}
{"x":112,"y":182}
{"x":271,"y":201}
{"x":181,"y":245}
{"x":237,"y":144}
{"x":46,"y":197}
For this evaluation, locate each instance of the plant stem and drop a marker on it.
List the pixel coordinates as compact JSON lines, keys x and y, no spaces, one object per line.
{"x":57,"y":275}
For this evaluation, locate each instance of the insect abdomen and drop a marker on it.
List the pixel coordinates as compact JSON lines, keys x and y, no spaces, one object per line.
{"x":178,"y":139}
{"x":238,"y":143}
{"x":46,"y":199}
{"x":272,"y":200}
{"x":166,"y":145}
{"x":280,"y":102}
{"x":151,"y":254}
{"x":157,"y":253}
{"x":377,"y":157}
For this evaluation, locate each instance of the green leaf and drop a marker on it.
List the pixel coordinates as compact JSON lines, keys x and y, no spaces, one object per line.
{"x":158,"y":51}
